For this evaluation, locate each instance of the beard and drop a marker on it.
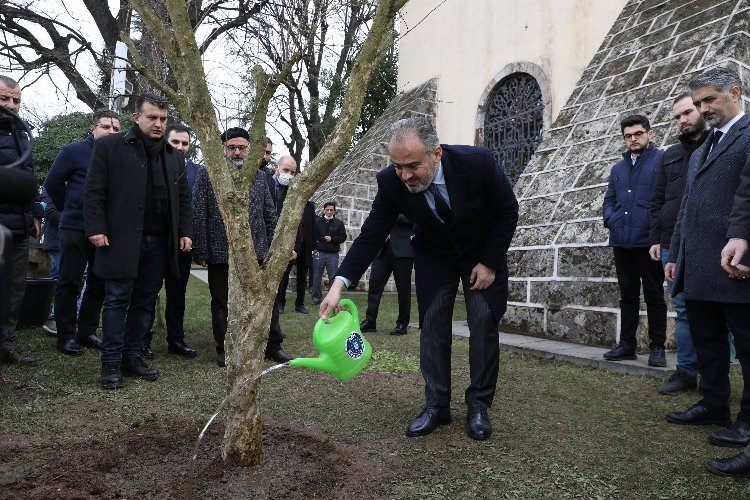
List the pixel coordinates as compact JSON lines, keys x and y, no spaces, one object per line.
{"x":237,"y":162}
{"x":423,"y":184}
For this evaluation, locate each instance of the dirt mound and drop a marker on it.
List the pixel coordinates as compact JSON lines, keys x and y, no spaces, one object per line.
{"x":152,"y":461}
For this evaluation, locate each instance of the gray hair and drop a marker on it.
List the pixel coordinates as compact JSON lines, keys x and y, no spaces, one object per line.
{"x":418,"y":126}
{"x":8,"y":81}
{"x":723,"y":79}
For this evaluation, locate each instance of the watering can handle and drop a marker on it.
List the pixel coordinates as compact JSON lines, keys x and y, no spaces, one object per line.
{"x":351,"y":306}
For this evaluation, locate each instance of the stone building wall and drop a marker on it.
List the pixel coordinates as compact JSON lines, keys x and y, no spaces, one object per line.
{"x":563,"y":282}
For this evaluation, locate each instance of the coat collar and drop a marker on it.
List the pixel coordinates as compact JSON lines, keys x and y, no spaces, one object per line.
{"x":648,"y":151}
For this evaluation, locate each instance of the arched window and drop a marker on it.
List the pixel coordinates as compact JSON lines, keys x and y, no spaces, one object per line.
{"x":514,"y":121}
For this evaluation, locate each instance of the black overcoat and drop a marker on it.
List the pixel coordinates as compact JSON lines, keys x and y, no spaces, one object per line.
{"x":702,"y":224}
{"x":114,"y":199}
{"x":484,"y":217}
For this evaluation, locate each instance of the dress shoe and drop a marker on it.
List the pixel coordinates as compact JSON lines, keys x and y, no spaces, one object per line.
{"x":50,"y":327}
{"x":69,"y":347}
{"x":13,"y":357}
{"x":429,"y":420}
{"x":181,"y":349}
{"x":281,"y":309}
{"x":278,"y":356}
{"x":657,"y":357}
{"x":147,"y":352}
{"x":736,"y":435}
{"x":621,"y":352}
{"x":478,"y":424}
{"x":680,"y":381}
{"x":736,"y":466}
{"x":91,"y":341}
{"x":136,"y":367}
{"x":221,"y":359}
{"x":315,"y":302}
{"x":301,"y":310}
{"x":399,"y":329}
{"x":699,"y":414}
{"x":111,"y":377}
{"x":368,"y":326}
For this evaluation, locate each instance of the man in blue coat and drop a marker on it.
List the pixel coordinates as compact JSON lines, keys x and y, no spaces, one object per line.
{"x":465,"y":214}
{"x":626,"y":215}
{"x":64,"y":184}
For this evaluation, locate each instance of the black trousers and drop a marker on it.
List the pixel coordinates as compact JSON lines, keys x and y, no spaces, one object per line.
{"x":76,"y":252}
{"x":16,"y":271}
{"x":302,"y":271}
{"x":218,"y":286}
{"x":382,"y":267}
{"x":635,"y":268}
{"x":175,"y":288}
{"x":708,"y":326}
{"x":436,"y":339}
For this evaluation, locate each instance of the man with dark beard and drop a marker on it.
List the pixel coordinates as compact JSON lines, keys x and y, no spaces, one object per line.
{"x":665,"y":204}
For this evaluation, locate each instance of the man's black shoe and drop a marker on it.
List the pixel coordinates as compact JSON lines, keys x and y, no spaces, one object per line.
{"x":221,"y":359}
{"x":621,"y":352}
{"x":315,"y":302}
{"x":301,"y":310}
{"x":92,"y":342}
{"x":278,"y":356}
{"x":367,"y":326}
{"x":146,"y":352}
{"x":429,"y":420}
{"x":399,"y":329}
{"x":136,"y":367}
{"x":13,"y":357}
{"x":111,"y":377}
{"x":70,"y":347}
{"x":657,"y":357}
{"x":736,"y":435}
{"x":699,"y":414}
{"x":281,"y":308}
{"x":181,"y":349}
{"x":736,"y":466}
{"x":478,"y":424}
{"x":680,"y":381}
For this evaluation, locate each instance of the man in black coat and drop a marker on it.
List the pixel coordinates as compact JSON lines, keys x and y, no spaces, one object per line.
{"x":665,"y":204}
{"x":712,"y":297}
{"x":137,"y":213}
{"x":465,"y":213}
{"x":330,"y":233}
{"x":22,"y":219}
{"x":395,"y":257}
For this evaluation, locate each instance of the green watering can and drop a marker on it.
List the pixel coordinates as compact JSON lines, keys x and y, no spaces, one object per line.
{"x":344,"y":351}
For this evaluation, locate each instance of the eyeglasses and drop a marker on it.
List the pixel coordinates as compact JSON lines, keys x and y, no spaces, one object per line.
{"x":634,"y":135}
{"x":232,"y":147}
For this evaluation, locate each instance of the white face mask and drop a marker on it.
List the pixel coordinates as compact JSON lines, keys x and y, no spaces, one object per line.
{"x":327,"y":217}
{"x":285,"y":178}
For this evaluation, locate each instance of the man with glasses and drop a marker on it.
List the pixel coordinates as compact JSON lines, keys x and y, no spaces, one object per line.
{"x":626,"y":215}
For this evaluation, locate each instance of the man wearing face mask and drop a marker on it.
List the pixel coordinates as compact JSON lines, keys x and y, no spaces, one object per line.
{"x":211,"y":247}
{"x":330,"y":233}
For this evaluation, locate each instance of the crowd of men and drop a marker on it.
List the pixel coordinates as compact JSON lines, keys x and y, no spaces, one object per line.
{"x":136,"y":213}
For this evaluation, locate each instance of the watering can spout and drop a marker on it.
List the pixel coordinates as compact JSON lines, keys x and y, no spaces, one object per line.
{"x":344,"y":351}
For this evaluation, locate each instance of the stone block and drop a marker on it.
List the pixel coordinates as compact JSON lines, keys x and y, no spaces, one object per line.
{"x":613,"y":152}
{"x":690,"y":17}
{"x":530,"y":263}
{"x":536,"y":210}
{"x":534,"y":236}
{"x":581,"y":204}
{"x":656,"y":37}
{"x":522,"y":319}
{"x":583,"y":326}
{"x":584,"y":152}
{"x":588,"y":111}
{"x":593,"y":91}
{"x":556,"y":137}
{"x":660,"y":20}
{"x":736,"y":46}
{"x":557,"y":294}
{"x":615,"y":66}
{"x":669,"y":67}
{"x":517,"y":291}
{"x":585,"y":262}
{"x":629,"y":80}
{"x":650,"y":54}
{"x":590,"y":231}
{"x":522,"y":184}
{"x":591,"y":130}
{"x":740,"y":22}
{"x":595,"y":173}
{"x":553,"y":181}
{"x":540,"y":159}
{"x":634,"y":33}
{"x":687,"y":40}
{"x":565,"y":116}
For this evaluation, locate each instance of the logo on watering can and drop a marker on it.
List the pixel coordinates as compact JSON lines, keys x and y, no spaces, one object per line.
{"x":355,"y":346}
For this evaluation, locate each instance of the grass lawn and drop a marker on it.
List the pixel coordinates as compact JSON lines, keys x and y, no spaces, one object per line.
{"x":561,"y":431}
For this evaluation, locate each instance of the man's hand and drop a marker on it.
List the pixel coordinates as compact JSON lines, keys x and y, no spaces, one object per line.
{"x":99,"y":240}
{"x":669,"y":271}
{"x":655,"y":252}
{"x":327,"y":239}
{"x":37,"y":228}
{"x":331,"y":301}
{"x":294,"y":256}
{"x":731,"y":256}
{"x":186,"y":244}
{"x":481,"y":277}
{"x":200,"y":262}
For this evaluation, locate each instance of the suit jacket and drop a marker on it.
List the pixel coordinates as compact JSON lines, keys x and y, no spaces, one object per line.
{"x":739,"y":219}
{"x":485,"y":213}
{"x":400,"y":237}
{"x":114,"y":200}
{"x":703,"y":221}
{"x":66,"y":179}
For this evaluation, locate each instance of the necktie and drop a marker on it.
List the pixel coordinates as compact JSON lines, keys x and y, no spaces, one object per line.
{"x":715,"y":138}
{"x":441,"y":206}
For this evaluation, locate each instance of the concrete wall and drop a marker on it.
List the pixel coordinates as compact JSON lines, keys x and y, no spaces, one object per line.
{"x":470,"y":44}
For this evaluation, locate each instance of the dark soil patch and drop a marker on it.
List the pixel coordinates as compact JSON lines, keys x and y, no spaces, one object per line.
{"x":153,"y":461}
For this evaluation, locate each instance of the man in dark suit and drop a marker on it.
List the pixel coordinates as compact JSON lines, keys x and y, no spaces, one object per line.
{"x":712,"y":297}
{"x":137,"y":214}
{"x":465,"y":213}
{"x":395,"y":257}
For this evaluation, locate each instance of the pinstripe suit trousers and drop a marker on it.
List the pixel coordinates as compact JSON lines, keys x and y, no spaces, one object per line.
{"x":435,"y":345}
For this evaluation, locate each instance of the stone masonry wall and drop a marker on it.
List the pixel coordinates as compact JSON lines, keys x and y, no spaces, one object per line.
{"x":563,"y":282}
